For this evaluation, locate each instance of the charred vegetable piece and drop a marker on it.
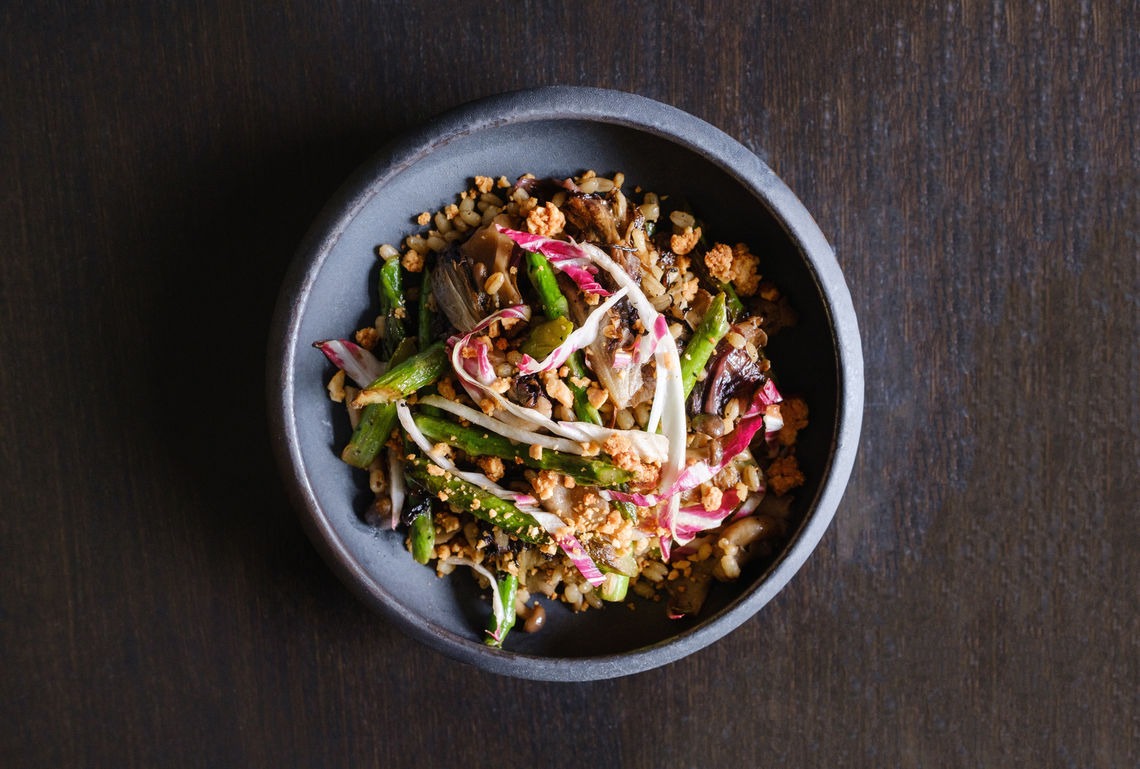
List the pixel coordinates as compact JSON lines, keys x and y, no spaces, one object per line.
{"x":404,"y":379}
{"x":483,"y":505}
{"x":477,"y":442}
{"x":508,"y":590}
{"x":607,"y":559}
{"x":392,"y":304}
{"x":729,"y":372}
{"x":455,"y":291}
{"x":707,"y":335}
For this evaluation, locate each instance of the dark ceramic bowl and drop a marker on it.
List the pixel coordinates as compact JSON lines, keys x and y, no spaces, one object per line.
{"x":555,"y":131}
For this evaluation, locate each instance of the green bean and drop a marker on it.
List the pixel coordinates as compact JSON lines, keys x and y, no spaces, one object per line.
{"x":583,"y":409}
{"x":544,"y":337}
{"x":628,"y":510}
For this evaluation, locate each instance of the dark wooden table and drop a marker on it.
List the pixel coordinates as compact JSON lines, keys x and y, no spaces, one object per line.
{"x":975,"y":601}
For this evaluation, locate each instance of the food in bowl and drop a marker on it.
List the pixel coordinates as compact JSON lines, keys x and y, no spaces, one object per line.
{"x":566,"y":390}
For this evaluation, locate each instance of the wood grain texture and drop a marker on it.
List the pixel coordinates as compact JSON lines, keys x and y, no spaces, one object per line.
{"x":976,"y":166}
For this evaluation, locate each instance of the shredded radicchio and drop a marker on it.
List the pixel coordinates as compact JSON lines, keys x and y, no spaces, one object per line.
{"x":358,"y":364}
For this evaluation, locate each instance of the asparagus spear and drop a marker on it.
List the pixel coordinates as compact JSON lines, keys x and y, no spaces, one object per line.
{"x":376,"y":423}
{"x":423,"y":536}
{"x":483,"y":505}
{"x":508,"y":589}
{"x":615,"y":587}
{"x":628,"y":510}
{"x":555,"y":306}
{"x":707,"y":335}
{"x":479,"y":442}
{"x":403,"y":380}
{"x":392,"y":304}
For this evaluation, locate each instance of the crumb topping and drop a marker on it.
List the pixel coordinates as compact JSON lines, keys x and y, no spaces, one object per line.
{"x":784,"y":475}
{"x":684,"y":241}
{"x":547,"y":220}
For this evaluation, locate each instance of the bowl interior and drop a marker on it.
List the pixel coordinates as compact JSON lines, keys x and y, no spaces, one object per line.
{"x":338,"y":295}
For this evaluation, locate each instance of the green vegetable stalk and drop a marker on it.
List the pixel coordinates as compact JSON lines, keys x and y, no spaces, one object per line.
{"x":508,"y":590}
{"x":404,"y":379}
{"x":706,"y":337}
{"x":423,"y":537}
{"x":483,"y":505}
{"x":615,"y":587}
{"x":477,"y":442}
{"x":376,"y":423}
{"x":392,"y":304}
{"x":555,"y":306}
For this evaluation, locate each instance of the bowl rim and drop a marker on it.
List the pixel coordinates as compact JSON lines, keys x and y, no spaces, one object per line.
{"x":588,"y":105}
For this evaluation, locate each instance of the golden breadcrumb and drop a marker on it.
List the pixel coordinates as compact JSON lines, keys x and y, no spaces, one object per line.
{"x":413,"y":261}
{"x":683,"y":242}
{"x":794,"y":413}
{"x":784,"y":475}
{"x":547,"y":221}
{"x":367,"y":337}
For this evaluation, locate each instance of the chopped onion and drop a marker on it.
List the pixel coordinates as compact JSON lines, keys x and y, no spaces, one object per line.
{"x":359,"y":364}
{"x":749,"y":506}
{"x":479,"y":366}
{"x":581,"y":275}
{"x":622,"y":360}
